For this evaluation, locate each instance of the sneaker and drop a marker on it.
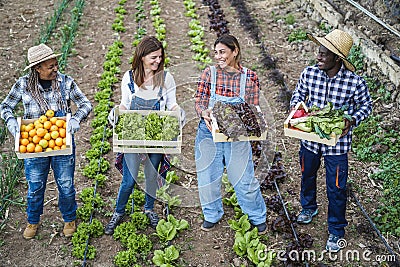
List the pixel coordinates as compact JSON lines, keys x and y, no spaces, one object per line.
{"x":69,"y":229}
{"x":207,"y":226}
{"x":262,"y":228}
{"x":115,"y":220}
{"x":30,"y":231}
{"x":306,"y":216}
{"x":332,"y":245}
{"x":153,"y":217}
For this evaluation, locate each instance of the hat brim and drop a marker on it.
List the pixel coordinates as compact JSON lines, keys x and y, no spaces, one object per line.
{"x":330,"y":47}
{"x":42,"y":60}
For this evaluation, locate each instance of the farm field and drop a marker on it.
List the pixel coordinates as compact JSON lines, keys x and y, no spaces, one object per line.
{"x":276,"y":24}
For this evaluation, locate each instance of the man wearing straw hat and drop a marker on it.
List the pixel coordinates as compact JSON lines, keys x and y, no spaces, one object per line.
{"x":45,"y":88}
{"x":333,"y":80}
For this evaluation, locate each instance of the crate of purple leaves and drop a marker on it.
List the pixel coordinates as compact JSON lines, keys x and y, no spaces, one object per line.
{"x":237,"y":122}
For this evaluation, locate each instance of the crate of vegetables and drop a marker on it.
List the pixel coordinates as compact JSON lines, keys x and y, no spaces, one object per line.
{"x":43,"y":137}
{"x":237,"y":122}
{"x":318,"y":125}
{"x":147,"y":131}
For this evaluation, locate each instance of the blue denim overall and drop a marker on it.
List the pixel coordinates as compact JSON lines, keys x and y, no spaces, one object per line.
{"x":131,"y":161}
{"x":36,"y":172}
{"x":211,"y":158}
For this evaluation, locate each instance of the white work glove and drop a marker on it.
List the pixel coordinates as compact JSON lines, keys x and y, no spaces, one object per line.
{"x":12,"y":126}
{"x":73,"y":126}
{"x":111,"y":117}
{"x":183,"y":117}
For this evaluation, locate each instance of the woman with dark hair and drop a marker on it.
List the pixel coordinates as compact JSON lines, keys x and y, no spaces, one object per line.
{"x":145,"y":87}
{"x":228,"y":82}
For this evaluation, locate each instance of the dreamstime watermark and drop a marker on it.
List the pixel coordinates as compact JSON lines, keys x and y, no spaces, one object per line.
{"x":345,"y":255}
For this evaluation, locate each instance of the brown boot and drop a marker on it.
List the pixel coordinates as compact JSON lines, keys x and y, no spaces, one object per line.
{"x":30,"y":231}
{"x":69,"y":229}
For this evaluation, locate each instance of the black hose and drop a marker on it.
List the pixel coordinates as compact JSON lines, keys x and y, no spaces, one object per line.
{"x":396,"y":261}
{"x":395,"y":58}
{"x":288,"y":217}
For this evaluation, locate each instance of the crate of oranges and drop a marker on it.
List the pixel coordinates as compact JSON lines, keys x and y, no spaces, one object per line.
{"x":43,"y":137}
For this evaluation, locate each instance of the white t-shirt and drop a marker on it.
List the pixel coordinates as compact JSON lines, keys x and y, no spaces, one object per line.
{"x":168,"y":92}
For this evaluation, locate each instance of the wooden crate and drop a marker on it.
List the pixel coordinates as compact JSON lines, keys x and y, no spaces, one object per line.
{"x":297,"y":133}
{"x":148,"y":146}
{"x":220,"y":137}
{"x":66,"y":151}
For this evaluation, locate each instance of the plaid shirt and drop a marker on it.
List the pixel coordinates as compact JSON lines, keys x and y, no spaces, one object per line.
{"x":345,"y":88}
{"x":31,"y":108}
{"x":227,"y":85}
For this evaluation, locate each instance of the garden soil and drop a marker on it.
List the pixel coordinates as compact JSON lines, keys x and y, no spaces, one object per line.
{"x":22,"y":22}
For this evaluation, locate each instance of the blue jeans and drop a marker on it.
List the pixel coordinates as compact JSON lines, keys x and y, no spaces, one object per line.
{"x":211,"y":158}
{"x":36,"y":172}
{"x":130,"y":165}
{"x":336,"y":168}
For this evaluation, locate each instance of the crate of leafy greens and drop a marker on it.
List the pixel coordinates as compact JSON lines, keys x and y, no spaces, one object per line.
{"x":318,"y":125}
{"x":147,"y":131}
{"x":237,"y":122}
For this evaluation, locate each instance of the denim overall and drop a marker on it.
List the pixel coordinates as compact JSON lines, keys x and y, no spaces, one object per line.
{"x":211,"y":158}
{"x":36,"y":172}
{"x":131,"y":161}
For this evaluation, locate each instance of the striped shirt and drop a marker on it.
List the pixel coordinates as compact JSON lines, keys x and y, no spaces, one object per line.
{"x":315,"y":87}
{"x":227,"y":84}
{"x":31,"y":108}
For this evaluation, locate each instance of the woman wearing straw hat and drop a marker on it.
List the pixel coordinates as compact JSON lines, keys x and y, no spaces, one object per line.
{"x":43,"y":89}
{"x":333,"y":80}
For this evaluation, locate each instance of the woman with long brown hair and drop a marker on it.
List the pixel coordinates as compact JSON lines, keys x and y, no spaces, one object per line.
{"x":145,"y":87}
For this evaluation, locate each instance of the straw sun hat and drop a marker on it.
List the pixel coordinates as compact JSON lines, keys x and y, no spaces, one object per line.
{"x":338,"y":42}
{"x":39,"y":53}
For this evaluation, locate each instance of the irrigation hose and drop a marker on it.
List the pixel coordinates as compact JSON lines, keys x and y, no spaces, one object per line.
{"x":388,"y":27}
{"x":374,"y":227}
{"x":288,"y":217}
{"x":94,"y":195}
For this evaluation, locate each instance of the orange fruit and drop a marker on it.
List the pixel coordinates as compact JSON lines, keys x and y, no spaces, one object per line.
{"x":38,"y":125}
{"x":40,"y":132}
{"x":47,"y":125}
{"x":30,"y":139}
{"x":38,"y":148}
{"x":63,"y":146}
{"x":47,"y":136}
{"x":60,"y":123}
{"x":24,"y":135}
{"x":32,"y":132}
{"x":59,"y":141}
{"x":29,"y":127}
{"x":30,"y":147}
{"x":50,"y":113}
{"x":24,"y":142}
{"x":43,"y":143}
{"x":57,"y":148}
{"x":36,"y":139}
{"x":36,"y":122}
{"x":54,"y":134}
{"x":62,"y":132}
{"x":22,"y":128}
{"x":42,"y":118}
{"x":52,"y":143}
{"x":49,"y":149}
{"x":22,"y":149}
{"x":53,"y":128}
{"x":53,"y":120}
{"x":64,"y":140}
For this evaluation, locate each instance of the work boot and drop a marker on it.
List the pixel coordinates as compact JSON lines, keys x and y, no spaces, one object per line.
{"x":30,"y":231}
{"x":153,"y":217}
{"x":69,"y":229}
{"x":207,"y":226}
{"x":115,"y":220}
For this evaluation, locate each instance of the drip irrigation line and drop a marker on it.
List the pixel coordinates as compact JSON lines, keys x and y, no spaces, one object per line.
{"x":288,"y":217}
{"x":396,"y":261}
{"x":372,"y":16}
{"x":94,"y":192}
